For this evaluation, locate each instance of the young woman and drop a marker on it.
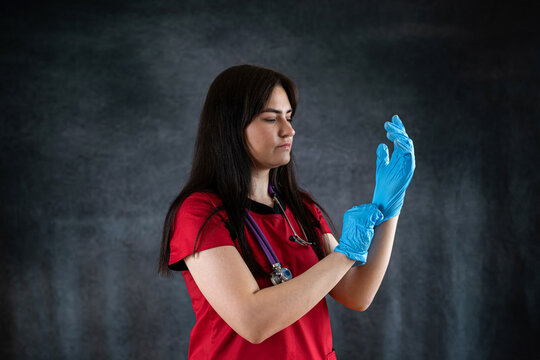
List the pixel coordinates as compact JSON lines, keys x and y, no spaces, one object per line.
{"x":255,"y":251}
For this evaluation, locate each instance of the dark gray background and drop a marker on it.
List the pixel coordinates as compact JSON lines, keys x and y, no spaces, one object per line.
{"x":99,"y":110}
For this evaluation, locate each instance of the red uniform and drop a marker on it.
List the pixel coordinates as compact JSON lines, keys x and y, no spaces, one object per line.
{"x":212,"y":338}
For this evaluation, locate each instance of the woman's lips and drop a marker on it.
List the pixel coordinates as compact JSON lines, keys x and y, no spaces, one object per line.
{"x":286,"y":146}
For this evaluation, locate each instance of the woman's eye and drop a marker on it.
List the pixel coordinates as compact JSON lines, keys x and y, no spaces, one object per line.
{"x":272,"y":120}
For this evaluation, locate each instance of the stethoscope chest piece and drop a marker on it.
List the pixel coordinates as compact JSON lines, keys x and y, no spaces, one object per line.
{"x":280,"y":274}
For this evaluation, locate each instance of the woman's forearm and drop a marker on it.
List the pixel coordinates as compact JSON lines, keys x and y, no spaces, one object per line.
{"x":358,"y":287}
{"x":279,"y":306}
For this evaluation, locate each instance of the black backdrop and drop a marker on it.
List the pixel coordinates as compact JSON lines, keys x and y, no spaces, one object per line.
{"x":99,"y":109}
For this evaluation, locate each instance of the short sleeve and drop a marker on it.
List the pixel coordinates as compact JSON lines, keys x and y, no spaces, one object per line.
{"x":325,"y":229}
{"x":189,"y":219}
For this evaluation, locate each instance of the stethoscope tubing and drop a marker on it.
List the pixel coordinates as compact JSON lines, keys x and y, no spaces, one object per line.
{"x":269,"y":252}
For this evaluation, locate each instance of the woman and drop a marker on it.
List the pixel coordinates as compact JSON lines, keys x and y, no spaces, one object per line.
{"x":256,"y":253}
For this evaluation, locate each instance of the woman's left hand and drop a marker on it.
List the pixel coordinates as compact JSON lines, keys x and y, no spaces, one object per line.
{"x":393,"y":176}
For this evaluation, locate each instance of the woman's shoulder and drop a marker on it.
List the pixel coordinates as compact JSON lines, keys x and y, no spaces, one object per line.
{"x":204,"y":196}
{"x":201,"y":200}
{"x":198,"y":207}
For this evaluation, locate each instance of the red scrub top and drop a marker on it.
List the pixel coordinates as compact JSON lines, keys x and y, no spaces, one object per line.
{"x":211,"y":337}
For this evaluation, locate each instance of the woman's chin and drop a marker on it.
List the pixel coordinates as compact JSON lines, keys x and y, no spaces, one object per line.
{"x":276,"y":164}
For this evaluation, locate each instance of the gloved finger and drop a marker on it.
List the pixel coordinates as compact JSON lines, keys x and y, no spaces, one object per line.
{"x":397,"y":122}
{"x":401,"y":142}
{"x":392,"y":135}
{"x":391,"y":127}
{"x":382,"y":155}
{"x":404,"y":144}
{"x":395,"y":126}
{"x":399,"y":136}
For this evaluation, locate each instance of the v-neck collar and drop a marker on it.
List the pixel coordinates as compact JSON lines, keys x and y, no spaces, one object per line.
{"x":261,"y":208}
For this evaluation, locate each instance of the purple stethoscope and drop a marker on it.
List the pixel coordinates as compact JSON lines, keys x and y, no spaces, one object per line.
{"x":279,"y":274}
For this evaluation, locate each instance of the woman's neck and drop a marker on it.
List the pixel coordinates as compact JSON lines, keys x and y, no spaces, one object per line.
{"x":259,"y":187}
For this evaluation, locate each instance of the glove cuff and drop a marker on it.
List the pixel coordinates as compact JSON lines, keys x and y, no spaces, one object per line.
{"x":359,"y":257}
{"x":388,"y":216}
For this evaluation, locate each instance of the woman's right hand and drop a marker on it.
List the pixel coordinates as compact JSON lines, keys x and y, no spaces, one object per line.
{"x":358,"y":223}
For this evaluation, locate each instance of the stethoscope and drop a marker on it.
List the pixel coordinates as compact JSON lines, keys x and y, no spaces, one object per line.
{"x":279,"y":274}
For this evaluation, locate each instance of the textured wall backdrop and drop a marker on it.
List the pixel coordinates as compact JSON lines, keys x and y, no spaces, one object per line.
{"x":99,"y":110}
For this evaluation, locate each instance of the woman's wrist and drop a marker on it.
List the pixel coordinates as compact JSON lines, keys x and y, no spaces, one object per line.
{"x":344,"y":257}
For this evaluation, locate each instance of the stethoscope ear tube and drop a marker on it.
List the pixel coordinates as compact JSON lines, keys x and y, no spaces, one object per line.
{"x":295,"y":236}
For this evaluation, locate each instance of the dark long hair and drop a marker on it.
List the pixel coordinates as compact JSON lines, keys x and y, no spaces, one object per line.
{"x":221,"y":161}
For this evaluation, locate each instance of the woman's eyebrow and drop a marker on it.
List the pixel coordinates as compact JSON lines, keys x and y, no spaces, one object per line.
{"x":275,"y":111}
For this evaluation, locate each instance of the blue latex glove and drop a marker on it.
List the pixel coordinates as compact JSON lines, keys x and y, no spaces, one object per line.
{"x":358,"y":223}
{"x":393,"y":176}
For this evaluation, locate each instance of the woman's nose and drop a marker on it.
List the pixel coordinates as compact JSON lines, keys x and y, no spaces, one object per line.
{"x":286,"y":129}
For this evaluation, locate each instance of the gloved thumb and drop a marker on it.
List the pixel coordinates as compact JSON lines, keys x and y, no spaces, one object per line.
{"x":383,"y":157}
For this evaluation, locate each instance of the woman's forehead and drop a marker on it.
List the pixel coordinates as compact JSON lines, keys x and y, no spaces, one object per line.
{"x":278,"y":100}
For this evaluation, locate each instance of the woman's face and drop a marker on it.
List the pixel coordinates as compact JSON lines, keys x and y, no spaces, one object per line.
{"x":269,"y":131}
